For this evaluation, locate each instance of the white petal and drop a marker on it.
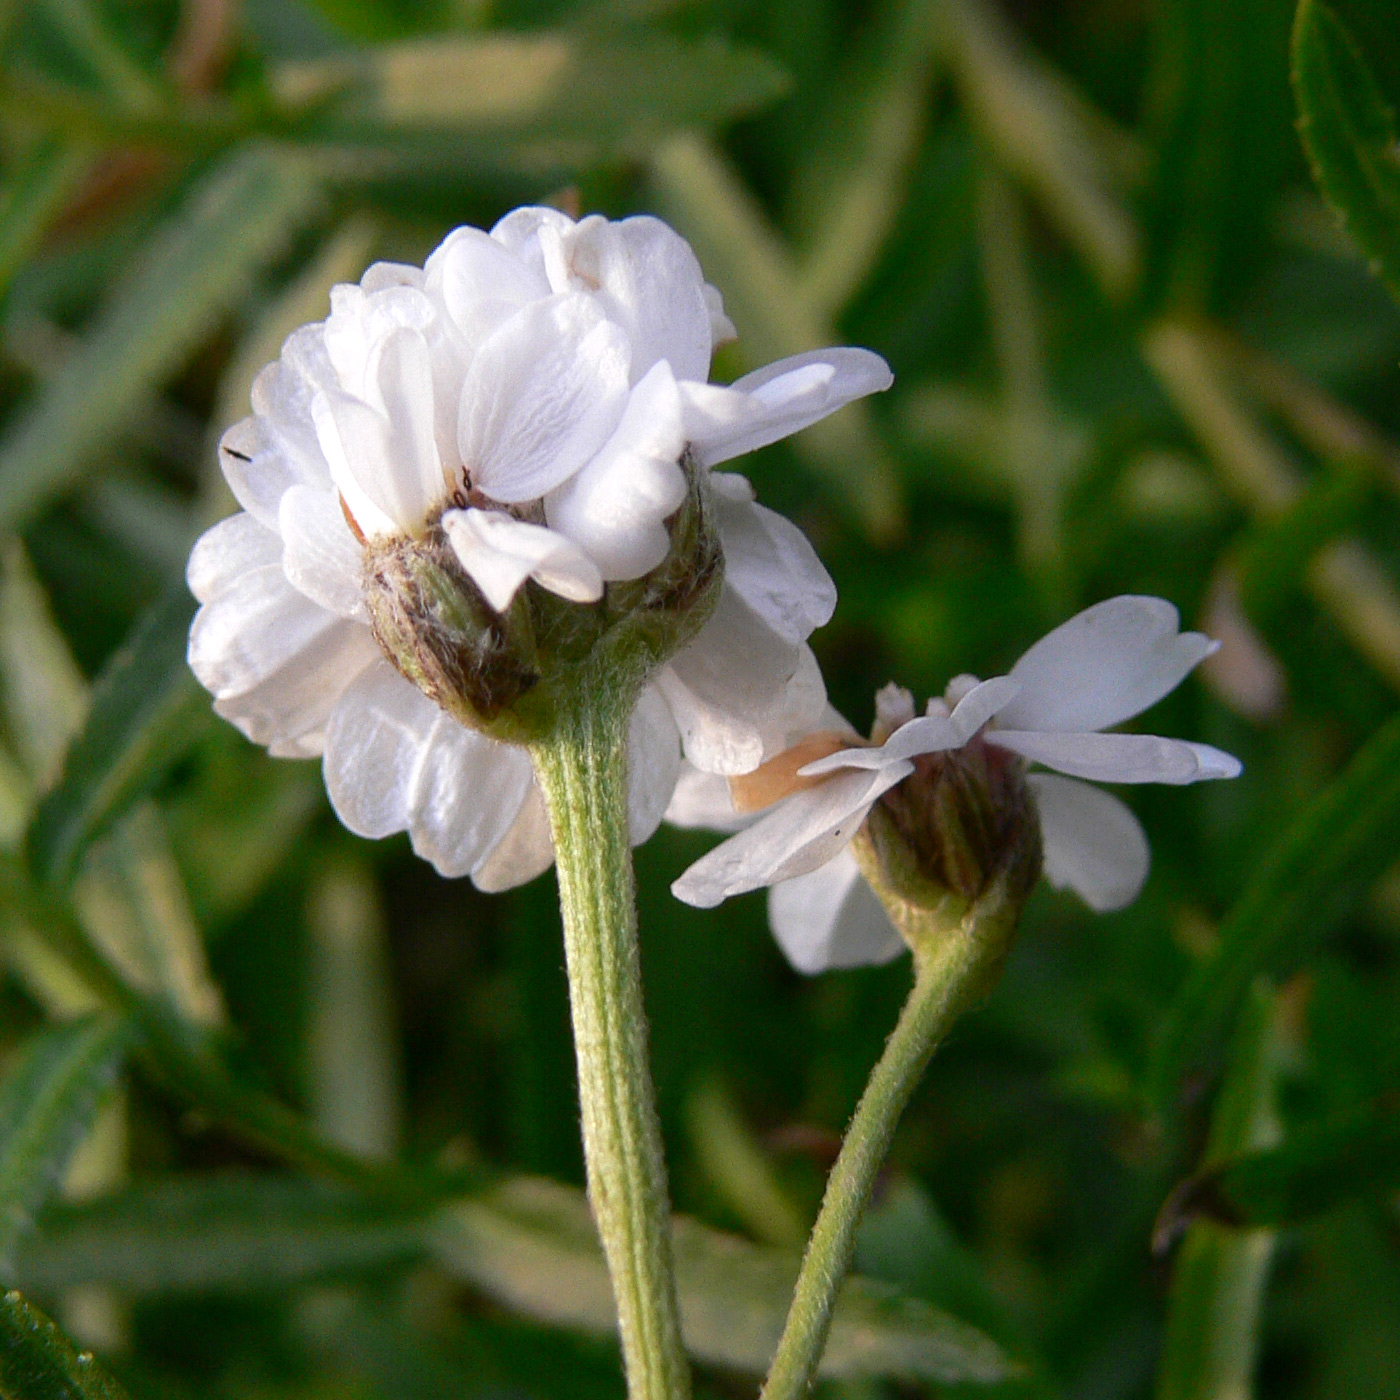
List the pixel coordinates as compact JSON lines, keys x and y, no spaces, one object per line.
{"x":525,"y":851}
{"x":403,"y":376}
{"x":274,"y":661}
{"x":237,"y":545}
{"x":521,"y":227}
{"x":778,"y":400}
{"x":927,"y":734}
{"x":649,"y":282}
{"x":480,"y":282}
{"x":738,"y":690}
{"x":703,"y":800}
{"x":1103,"y":666}
{"x":501,"y":552}
{"x":831,"y":918}
{"x":360,"y":321}
{"x":721,"y":327}
{"x":320,"y":556}
{"x":769,"y":562}
{"x":1120,"y":758}
{"x":982,"y":703}
{"x":358,"y":446}
{"x":616,"y":506}
{"x":543,"y":394}
{"x":799,"y":834}
{"x":1093,"y":844}
{"x":289,"y":708}
{"x":396,"y":762}
{"x":653,"y":764}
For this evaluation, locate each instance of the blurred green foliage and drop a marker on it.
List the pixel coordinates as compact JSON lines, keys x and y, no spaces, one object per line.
{"x":271,"y":1098}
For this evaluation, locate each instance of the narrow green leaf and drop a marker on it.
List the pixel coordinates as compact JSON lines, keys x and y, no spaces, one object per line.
{"x":1217,"y":1295}
{"x":36,"y":188}
{"x":46,"y":1104}
{"x":45,"y":694}
{"x":1315,"y":1170}
{"x":531,"y":1245}
{"x":146,"y":709}
{"x":1342,"y":839}
{"x":1349,"y":133}
{"x":37,"y":1362}
{"x":193,"y":270}
{"x":217,"y":1234}
{"x":549,"y":98}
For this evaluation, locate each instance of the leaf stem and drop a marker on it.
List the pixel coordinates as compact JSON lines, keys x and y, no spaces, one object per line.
{"x":951,"y":970}
{"x":582,"y":768}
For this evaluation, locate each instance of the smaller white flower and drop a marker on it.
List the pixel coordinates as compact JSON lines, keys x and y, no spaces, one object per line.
{"x":1100,"y":668}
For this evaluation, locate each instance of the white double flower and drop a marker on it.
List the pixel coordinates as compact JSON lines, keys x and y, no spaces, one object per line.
{"x":533,"y":390}
{"x":1102,"y":667}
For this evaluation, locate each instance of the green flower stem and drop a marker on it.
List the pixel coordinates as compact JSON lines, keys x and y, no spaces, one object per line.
{"x":955,"y":961}
{"x":582,"y":769}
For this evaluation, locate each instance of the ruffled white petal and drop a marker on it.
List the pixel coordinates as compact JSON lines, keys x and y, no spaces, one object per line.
{"x":544,"y":392}
{"x":1105,"y":665}
{"x":1093,"y":844}
{"x":396,"y":762}
{"x":320,"y":556}
{"x":646,"y":279}
{"x":274,"y":661}
{"x":237,"y":545}
{"x":1120,"y":758}
{"x":778,"y":400}
{"x":361,"y":320}
{"x":770,"y":564}
{"x":480,"y":283}
{"x":500,"y":552}
{"x":799,"y":834}
{"x":615,"y":507}
{"x":358,"y":443}
{"x":653,"y":764}
{"x":738,"y":690}
{"x":526,"y":850}
{"x":722,"y":329}
{"x":831,"y":918}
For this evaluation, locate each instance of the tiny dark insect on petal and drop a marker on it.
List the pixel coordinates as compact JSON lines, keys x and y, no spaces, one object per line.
{"x":234,"y":452}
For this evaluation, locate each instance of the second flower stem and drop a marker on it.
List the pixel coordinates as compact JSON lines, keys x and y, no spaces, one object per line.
{"x":582,"y":770}
{"x":950,"y":971}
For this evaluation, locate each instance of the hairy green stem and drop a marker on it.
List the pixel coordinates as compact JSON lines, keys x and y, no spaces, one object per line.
{"x":582,"y":769}
{"x":953,"y":966}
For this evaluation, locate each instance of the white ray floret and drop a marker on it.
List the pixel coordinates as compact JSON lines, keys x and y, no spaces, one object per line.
{"x":535,"y":390}
{"x":1101,"y":667}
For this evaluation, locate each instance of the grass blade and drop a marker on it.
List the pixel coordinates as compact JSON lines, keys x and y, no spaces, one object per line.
{"x":46,"y":1104}
{"x":37,"y":1362}
{"x":1340,"y":840}
{"x":146,"y":708}
{"x":196,"y":266}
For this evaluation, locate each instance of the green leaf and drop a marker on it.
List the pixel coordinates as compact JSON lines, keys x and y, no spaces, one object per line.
{"x":1316,"y":1169}
{"x":37,"y":186}
{"x":1349,"y":133}
{"x":1341,"y":840}
{"x":550,"y":98}
{"x":37,"y":1362}
{"x":46,"y":1104}
{"x":217,"y":1234}
{"x":146,"y":710}
{"x":194,"y":269}
{"x":531,"y":1245}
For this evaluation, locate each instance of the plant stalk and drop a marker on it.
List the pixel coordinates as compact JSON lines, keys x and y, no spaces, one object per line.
{"x":582,"y":769}
{"x":951,"y":970}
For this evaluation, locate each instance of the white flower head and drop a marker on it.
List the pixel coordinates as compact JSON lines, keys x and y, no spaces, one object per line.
{"x":1100,"y":668}
{"x":508,"y":444}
